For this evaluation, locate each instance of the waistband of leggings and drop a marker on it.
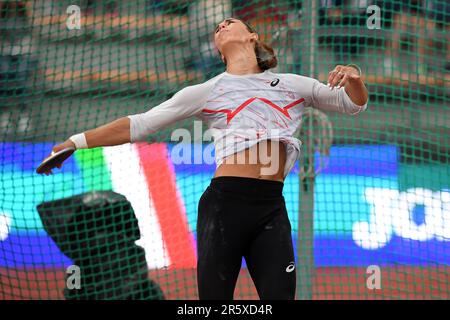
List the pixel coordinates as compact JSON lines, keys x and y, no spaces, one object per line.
{"x":248,"y":186}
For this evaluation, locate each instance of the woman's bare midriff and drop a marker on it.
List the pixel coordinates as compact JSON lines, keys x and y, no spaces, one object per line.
{"x":264,"y":160}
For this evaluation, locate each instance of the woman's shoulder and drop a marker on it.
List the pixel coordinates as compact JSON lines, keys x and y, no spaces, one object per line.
{"x":295,"y":79}
{"x":207,"y":84}
{"x":291,"y":75}
{"x":199,"y":91}
{"x":210,"y":82}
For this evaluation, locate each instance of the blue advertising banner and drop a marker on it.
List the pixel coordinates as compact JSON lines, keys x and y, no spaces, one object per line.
{"x":368,"y":208}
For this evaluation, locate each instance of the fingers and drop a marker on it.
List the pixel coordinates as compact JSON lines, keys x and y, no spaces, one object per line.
{"x":334,"y":78}
{"x":340,"y":76}
{"x":331,"y":76}
{"x":59,"y":147}
{"x":344,"y":81}
{"x":58,"y":165}
{"x":56,"y":149}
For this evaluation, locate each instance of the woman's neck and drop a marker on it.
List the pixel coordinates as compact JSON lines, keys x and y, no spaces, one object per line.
{"x":242,"y":61}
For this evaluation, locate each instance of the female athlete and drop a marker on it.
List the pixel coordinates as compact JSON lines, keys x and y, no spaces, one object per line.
{"x":253,"y":114}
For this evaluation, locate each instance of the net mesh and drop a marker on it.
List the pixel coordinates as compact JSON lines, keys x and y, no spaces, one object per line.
{"x":369,"y":202}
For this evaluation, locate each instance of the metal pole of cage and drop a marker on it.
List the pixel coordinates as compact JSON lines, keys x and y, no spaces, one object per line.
{"x":305,"y":236}
{"x":316,"y":132}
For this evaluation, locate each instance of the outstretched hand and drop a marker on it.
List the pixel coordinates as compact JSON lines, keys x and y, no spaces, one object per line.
{"x":341,"y":75}
{"x":66,"y":144}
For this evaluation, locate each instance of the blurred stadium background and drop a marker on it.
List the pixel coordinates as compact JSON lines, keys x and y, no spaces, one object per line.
{"x":381,"y":197}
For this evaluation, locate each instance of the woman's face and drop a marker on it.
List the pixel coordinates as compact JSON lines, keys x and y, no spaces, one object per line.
{"x":232,"y":30}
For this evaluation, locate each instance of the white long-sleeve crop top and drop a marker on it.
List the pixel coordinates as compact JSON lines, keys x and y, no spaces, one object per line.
{"x":243,"y":110}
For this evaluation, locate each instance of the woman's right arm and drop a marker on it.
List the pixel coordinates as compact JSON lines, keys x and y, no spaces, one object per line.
{"x":111,"y":134}
{"x":135,"y":127}
{"x":184,"y":104}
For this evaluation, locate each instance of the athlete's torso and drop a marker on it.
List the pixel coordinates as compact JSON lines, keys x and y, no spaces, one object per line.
{"x":243,"y":111}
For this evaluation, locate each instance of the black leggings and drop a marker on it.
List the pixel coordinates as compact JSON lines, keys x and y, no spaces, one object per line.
{"x":244,"y":217}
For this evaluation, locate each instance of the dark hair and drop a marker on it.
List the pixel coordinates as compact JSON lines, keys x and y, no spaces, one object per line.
{"x":265,"y":55}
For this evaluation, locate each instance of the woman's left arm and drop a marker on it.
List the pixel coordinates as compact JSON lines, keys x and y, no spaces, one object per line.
{"x":349,"y":77}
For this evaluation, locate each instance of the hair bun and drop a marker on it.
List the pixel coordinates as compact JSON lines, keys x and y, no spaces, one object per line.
{"x":265,"y":55}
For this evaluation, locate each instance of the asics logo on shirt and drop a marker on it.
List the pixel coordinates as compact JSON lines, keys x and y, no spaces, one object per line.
{"x":274,"y":82}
